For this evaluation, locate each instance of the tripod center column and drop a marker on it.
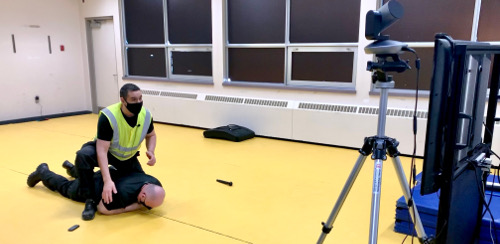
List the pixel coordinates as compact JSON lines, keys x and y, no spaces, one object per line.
{"x":384,"y":87}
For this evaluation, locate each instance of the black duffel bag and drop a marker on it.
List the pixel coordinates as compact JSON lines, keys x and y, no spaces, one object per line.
{"x":230,"y":132}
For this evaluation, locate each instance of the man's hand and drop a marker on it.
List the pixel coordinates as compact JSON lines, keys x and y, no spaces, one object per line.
{"x":151,"y":145}
{"x":107,"y":191}
{"x":152,"y":158}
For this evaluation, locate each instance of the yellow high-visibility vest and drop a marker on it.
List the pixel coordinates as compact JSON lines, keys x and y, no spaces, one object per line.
{"x":126,"y":140}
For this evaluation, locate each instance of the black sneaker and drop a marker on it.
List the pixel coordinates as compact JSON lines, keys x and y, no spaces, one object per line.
{"x":69,"y":168}
{"x":36,"y":176}
{"x":90,"y":209}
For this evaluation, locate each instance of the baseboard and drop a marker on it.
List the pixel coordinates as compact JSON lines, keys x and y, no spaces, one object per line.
{"x":44,"y":117}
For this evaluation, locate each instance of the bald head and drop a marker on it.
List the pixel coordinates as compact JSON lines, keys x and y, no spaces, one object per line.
{"x":153,"y":195}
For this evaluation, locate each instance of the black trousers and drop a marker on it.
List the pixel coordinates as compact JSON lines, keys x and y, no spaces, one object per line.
{"x":67,"y":188}
{"x":86,"y":161}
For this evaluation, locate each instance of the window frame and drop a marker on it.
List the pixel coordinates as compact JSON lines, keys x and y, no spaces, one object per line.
{"x":168,"y":47}
{"x":188,"y":78}
{"x":137,"y":46}
{"x":321,"y":49}
{"x":289,"y":48}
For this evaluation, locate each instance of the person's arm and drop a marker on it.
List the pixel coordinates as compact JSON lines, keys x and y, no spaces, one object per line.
{"x":151,"y":145}
{"x":102,"y":148}
{"x":132,"y":207}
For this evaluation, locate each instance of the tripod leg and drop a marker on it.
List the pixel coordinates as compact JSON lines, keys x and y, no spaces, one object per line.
{"x":377,"y":182}
{"x":327,"y":227}
{"x":412,"y":208}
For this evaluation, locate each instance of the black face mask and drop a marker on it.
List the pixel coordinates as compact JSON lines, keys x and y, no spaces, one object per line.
{"x":134,"y":108}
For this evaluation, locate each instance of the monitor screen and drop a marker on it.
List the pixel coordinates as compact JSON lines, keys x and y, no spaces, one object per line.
{"x":436,"y":124}
{"x":457,"y":101}
{"x":457,"y":105}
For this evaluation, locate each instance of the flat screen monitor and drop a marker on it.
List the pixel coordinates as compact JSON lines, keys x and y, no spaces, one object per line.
{"x":457,"y":102}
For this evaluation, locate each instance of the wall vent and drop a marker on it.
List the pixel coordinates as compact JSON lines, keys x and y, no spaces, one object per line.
{"x":329,"y":107}
{"x":368,"y":110}
{"x":405,"y":113}
{"x":224,"y":99}
{"x":150,"y":92}
{"x":422,"y":114}
{"x":178,"y":94}
{"x":271,"y":103}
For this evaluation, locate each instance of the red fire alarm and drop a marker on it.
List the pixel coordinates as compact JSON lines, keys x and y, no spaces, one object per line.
{"x":62,"y":48}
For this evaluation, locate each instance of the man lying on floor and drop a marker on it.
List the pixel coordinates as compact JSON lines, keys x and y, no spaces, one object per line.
{"x":133,"y":189}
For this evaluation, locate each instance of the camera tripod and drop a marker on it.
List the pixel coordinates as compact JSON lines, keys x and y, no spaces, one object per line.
{"x":378,"y":146}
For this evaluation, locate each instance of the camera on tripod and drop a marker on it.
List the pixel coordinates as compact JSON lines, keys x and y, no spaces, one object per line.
{"x":387,"y":51}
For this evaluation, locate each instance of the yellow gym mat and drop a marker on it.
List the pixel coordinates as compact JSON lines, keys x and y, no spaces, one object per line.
{"x":281,"y":192}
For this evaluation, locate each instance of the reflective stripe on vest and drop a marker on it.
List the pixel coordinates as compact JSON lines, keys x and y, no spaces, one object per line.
{"x":120,"y":151}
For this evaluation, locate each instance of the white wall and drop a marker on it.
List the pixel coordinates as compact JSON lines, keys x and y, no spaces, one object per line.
{"x":57,"y":78}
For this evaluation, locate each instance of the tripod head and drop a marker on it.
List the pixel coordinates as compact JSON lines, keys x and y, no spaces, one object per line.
{"x":383,"y":65}
{"x":382,"y":47}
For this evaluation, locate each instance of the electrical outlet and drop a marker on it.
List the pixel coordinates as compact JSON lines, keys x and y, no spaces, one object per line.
{"x":37,"y":99}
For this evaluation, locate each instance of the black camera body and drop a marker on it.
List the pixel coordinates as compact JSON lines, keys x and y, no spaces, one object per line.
{"x":387,"y":51}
